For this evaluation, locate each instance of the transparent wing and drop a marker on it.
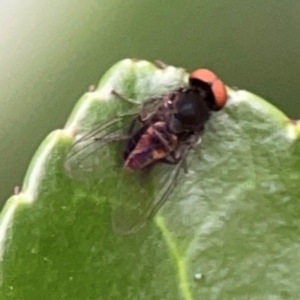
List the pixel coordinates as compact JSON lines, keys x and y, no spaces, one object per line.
{"x":130,"y":216}
{"x":92,"y":155}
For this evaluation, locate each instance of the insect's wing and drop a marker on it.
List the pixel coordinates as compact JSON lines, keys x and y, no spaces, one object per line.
{"x":131,"y":215}
{"x":93,"y":154}
{"x":96,"y":153}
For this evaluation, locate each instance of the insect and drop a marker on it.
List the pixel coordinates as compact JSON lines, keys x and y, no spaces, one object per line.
{"x":160,"y":130}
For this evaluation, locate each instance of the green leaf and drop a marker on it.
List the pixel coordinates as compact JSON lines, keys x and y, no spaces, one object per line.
{"x":229,"y":231}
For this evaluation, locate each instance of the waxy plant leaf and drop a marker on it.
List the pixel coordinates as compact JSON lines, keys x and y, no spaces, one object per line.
{"x":229,"y":231}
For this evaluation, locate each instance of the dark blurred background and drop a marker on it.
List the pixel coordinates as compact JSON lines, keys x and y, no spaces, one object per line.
{"x":51,"y":52}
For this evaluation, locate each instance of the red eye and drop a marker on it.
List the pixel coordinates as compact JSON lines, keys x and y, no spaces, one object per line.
{"x":217,"y":86}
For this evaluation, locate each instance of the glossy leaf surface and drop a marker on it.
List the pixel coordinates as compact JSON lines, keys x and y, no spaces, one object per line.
{"x":229,"y":231}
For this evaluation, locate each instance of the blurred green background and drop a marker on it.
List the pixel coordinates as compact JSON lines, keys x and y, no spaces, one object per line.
{"x":51,"y":51}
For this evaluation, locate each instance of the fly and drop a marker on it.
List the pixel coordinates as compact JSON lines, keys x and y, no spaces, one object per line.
{"x":162,"y":130}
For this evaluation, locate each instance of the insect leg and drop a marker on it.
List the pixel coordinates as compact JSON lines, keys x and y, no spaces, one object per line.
{"x":172,"y":159}
{"x":163,"y":140}
{"x":184,"y":165}
{"x":160,"y":64}
{"x":115,"y":138}
{"x":123,"y":98}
